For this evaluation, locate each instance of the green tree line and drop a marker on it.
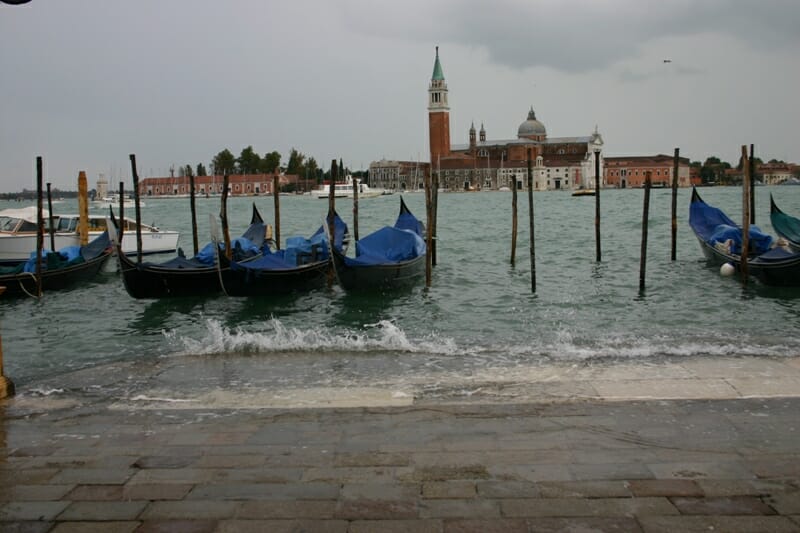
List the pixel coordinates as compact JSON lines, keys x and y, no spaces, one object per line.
{"x":712,"y":170}
{"x":251,"y":162}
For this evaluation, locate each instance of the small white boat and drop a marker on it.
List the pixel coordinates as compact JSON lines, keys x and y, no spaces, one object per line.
{"x":18,"y":234}
{"x":113,"y":201}
{"x":346,"y":190}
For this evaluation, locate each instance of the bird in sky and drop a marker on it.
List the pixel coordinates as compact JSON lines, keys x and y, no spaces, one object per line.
{"x":667,"y":61}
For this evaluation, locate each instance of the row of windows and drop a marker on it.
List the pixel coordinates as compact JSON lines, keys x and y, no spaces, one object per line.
{"x":211,"y":188}
{"x":635,"y":172}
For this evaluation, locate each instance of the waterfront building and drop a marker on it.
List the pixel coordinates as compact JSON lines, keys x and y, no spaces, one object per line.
{"x":398,"y":175}
{"x":630,"y":171}
{"x":491,"y":164}
{"x":775,"y":173}
{"x":238,"y":185}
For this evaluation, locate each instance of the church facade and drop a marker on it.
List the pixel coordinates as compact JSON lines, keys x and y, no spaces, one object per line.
{"x":492,"y":164}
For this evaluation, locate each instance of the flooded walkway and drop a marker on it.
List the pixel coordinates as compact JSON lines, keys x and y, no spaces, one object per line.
{"x":695,"y":445}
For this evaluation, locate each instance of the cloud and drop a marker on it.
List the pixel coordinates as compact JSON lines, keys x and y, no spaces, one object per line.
{"x":579,"y":35}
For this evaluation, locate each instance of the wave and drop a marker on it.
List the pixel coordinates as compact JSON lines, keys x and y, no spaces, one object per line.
{"x":560,"y":344}
{"x":275,"y":337}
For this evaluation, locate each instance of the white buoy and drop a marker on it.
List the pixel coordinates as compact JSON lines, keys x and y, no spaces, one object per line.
{"x":727,"y":269}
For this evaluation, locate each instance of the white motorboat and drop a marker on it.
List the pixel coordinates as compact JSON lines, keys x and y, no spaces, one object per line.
{"x":346,"y":190}
{"x":113,"y":201}
{"x":18,"y":234}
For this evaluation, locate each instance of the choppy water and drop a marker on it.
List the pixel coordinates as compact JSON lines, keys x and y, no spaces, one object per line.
{"x":479,"y":318}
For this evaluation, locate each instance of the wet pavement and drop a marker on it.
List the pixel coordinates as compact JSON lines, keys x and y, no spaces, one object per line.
{"x":695,"y":445}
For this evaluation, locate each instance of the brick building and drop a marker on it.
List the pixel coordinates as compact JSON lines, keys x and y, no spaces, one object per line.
{"x":238,"y":185}
{"x":629,"y":171}
{"x":398,"y":175}
{"x":485,"y":164}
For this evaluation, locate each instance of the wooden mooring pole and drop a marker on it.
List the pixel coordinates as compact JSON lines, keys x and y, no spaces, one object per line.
{"x":276,"y":200}
{"x":434,"y":215}
{"x":531,"y":223}
{"x":121,"y":229}
{"x":83,"y":208}
{"x":39,"y":227}
{"x":513,"y":220}
{"x":356,"y":185}
{"x":137,"y":209}
{"x":597,"y":204}
{"x":332,"y":217}
{"x":51,"y":219}
{"x":745,"y":215}
{"x":675,"y":166}
{"x":428,"y":231}
{"x":193,"y":208}
{"x":752,"y":167}
{"x":6,"y":385}
{"x":223,"y":216}
{"x":645,"y":216}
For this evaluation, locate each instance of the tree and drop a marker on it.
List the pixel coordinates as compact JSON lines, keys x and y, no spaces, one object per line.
{"x":311,"y":174}
{"x":249,"y":161}
{"x":758,"y":161}
{"x":296,"y":162}
{"x":187,"y":170}
{"x":223,"y":163}
{"x":201,"y":169}
{"x":713,"y":170}
{"x":270,"y":162}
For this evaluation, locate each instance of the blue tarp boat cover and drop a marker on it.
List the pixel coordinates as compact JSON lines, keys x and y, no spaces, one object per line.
{"x":242,"y":247}
{"x":387,"y":245}
{"x":68,"y":255}
{"x":299,"y":251}
{"x":760,"y":242}
{"x":714,"y":226}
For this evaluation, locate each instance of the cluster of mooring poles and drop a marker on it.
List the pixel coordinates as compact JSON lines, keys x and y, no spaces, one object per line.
{"x":6,"y":385}
{"x":598,"y":187}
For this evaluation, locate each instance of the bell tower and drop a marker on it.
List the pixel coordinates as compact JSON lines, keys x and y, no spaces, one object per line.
{"x":438,"y":114}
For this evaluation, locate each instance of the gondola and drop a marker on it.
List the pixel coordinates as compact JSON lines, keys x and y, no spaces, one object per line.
{"x":390,"y":258}
{"x":68,"y":267}
{"x":720,"y":240}
{"x":301,"y":266}
{"x":197,"y":276}
{"x":785,"y":225}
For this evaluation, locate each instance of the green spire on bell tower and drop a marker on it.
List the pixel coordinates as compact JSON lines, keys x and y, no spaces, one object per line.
{"x":437,"y":68}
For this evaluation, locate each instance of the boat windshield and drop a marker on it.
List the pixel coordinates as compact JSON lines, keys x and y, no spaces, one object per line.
{"x":8,"y":223}
{"x":68,"y":224}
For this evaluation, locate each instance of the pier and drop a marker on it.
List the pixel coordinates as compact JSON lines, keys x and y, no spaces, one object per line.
{"x":696,"y":445}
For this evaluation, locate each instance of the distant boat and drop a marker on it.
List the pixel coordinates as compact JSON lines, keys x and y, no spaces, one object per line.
{"x":60,"y":270}
{"x":18,"y":234}
{"x":346,"y":190}
{"x":113,"y":201}
{"x":583,"y":192}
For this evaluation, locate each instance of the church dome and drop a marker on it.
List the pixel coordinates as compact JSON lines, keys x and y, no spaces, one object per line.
{"x":531,"y":127}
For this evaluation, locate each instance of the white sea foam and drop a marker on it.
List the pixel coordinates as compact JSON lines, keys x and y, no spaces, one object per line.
{"x":382,"y":336}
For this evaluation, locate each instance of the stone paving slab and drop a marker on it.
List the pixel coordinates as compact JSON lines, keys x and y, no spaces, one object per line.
{"x":723,"y":464}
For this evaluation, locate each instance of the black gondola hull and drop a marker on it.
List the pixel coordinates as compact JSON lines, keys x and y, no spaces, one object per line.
{"x":54,"y":280}
{"x":144,"y":281}
{"x":378,"y":277}
{"x":240,"y":281}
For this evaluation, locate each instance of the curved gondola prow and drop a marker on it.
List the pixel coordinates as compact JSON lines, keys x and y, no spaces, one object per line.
{"x":773,"y":207}
{"x":255,"y":218}
{"x":695,"y":196}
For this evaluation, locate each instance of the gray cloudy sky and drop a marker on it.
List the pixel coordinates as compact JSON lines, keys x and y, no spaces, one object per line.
{"x":84,"y":83}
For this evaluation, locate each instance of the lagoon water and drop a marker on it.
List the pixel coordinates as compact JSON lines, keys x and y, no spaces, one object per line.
{"x":477,"y":324}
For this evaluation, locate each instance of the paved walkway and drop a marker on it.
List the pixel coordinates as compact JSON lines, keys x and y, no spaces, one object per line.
{"x":729,"y":462}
